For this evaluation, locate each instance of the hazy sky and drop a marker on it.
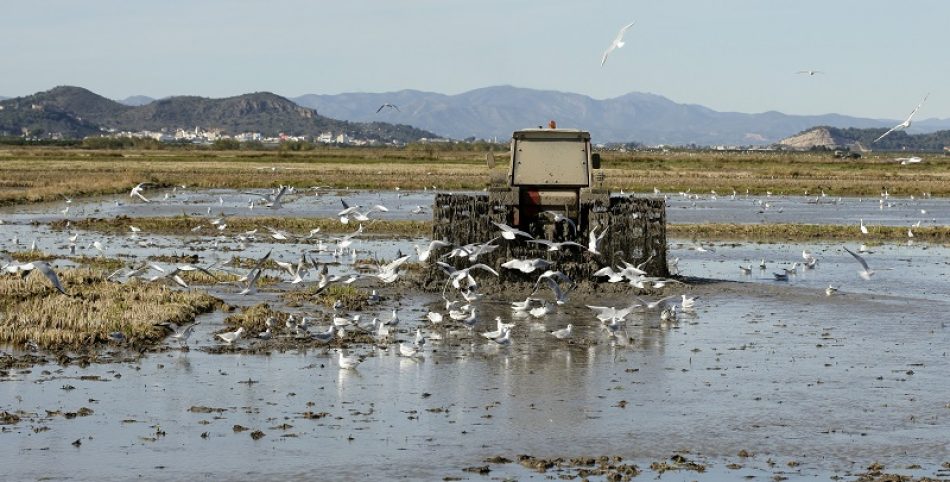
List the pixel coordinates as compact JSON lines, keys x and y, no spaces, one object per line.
{"x":881,"y":57}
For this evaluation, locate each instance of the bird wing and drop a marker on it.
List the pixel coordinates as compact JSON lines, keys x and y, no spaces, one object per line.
{"x":558,"y":295}
{"x":287,"y":266}
{"x":449,"y":269}
{"x":857,"y":257}
{"x":911,"y":116}
{"x":280,"y":194}
{"x":50,"y":275}
{"x":438,"y":243}
{"x":392,"y":266}
{"x":892,"y":129}
{"x":571,"y":223}
{"x":380,"y":108}
{"x":514,"y":264}
{"x":623,"y":31}
{"x":483,"y":267}
{"x":265,"y":196}
{"x":603,"y":59}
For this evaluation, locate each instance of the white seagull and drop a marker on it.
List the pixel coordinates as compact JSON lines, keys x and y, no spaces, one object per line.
{"x":558,"y":217}
{"x":526,"y":265}
{"x":409,"y":350}
{"x":809,"y":72}
{"x":510,"y":233}
{"x":349,"y":362}
{"x":564,"y":333}
{"x":594,"y":239}
{"x":616,"y":44}
{"x":909,"y":160}
{"x":434,"y":244}
{"x":231,"y":336}
{"x":907,"y":121}
{"x":137,"y":191}
{"x":553,"y":246}
{"x":43,"y":267}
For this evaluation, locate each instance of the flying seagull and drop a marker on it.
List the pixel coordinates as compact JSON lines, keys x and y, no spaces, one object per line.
{"x":391,"y":106}
{"x":809,"y":72}
{"x":47,"y":271}
{"x":137,"y":191}
{"x":906,"y":123}
{"x":867,"y":272}
{"x":616,"y":44}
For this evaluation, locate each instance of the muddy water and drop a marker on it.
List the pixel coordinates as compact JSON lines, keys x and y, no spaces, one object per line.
{"x":776,"y":369}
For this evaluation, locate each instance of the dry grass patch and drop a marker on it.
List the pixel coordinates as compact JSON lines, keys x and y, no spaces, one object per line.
{"x":45,"y":174}
{"x":353,"y":298}
{"x":33,"y":311}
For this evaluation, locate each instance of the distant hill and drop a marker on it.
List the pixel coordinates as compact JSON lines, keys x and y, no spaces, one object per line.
{"x":77,"y":112}
{"x":648,"y":118}
{"x":136,"y":100}
{"x":863,"y":139}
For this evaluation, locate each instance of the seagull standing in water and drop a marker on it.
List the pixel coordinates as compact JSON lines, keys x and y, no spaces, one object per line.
{"x":564,"y":333}
{"x":231,"y":336}
{"x":617,"y":43}
{"x":182,"y":334}
{"x":348,"y":362}
{"x":907,"y":121}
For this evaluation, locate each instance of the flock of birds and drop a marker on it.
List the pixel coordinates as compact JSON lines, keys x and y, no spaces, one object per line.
{"x":809,"y":261}
{"x":460,"y":291}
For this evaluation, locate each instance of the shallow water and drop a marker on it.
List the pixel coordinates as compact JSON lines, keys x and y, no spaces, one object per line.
{"x":788,"y":376}
{"x":774,"y":368}
{"x":892,"y":211}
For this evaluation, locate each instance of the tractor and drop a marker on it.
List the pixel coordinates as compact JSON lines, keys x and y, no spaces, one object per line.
{"x":554,"y":174}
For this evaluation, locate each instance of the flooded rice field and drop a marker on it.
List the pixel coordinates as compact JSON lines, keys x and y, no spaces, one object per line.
{"x":760,"y":380}
{"x":415,"y":205}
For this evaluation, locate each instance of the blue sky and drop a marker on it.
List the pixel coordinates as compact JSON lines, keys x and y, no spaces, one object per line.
{"x":881,"y":57}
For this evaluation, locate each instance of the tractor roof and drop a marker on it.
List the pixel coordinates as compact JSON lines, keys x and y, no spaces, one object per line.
{"x":543,"y":133}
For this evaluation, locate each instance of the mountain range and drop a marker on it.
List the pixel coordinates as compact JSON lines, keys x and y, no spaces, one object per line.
{"x":487,"y":113}
{"x":494,"y":112}
{"x":77,"y":112}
